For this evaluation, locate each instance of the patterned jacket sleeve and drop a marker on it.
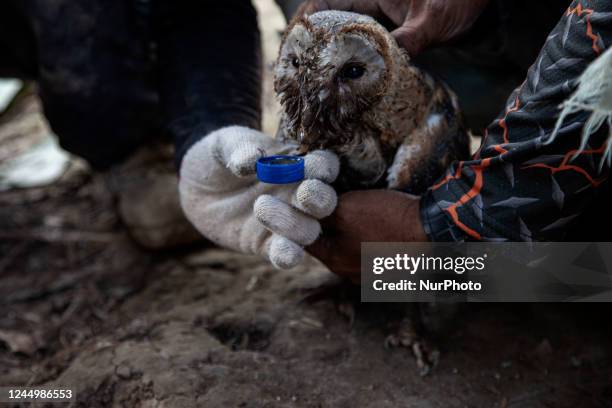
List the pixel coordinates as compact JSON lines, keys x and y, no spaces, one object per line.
{"x":517,"y":187}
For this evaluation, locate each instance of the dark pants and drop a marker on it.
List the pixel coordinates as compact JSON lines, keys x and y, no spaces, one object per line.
{"x":116,"y":74}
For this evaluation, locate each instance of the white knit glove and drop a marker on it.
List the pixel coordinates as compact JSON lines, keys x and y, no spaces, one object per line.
{"x":221,"y":196}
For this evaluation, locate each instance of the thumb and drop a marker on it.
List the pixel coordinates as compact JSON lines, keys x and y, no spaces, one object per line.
{"x":239,"y":148}
{"x":412,"y":37}
{"x":224,"y":160}
{"x":321,"y":248}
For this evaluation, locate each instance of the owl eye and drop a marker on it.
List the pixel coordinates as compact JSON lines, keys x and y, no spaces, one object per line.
{"x":295,"y":62}
{"x":353,"y":71}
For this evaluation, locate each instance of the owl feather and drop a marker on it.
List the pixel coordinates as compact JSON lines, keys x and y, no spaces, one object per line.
{"x":344,"y":84}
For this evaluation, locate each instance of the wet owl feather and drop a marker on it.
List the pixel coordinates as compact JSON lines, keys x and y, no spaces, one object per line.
{"x":344,"y":84}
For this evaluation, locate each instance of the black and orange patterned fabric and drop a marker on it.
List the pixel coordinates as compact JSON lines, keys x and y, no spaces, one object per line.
{"x":519,"y":186}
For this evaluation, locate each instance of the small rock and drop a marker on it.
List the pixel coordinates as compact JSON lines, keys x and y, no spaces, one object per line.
{"x":123,"y":371}
{"x":18,"y":342}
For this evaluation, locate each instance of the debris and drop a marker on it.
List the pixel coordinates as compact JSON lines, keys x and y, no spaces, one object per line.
{"x":123,"y":371}
{"x":308,"y":322}
{"x":19,"y":342}
{"x":252,"y":283}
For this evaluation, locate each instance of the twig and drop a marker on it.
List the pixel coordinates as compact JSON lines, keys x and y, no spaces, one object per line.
{"x":59,"y":235}
{"x":64,"y":282}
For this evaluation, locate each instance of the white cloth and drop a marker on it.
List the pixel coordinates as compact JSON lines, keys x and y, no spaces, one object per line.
{"x":221,"y":196}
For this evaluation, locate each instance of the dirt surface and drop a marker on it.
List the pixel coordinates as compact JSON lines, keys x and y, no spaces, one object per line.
{"x":83,"y":307}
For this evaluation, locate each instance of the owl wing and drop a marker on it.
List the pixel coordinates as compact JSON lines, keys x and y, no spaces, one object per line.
{"x":427,"y":151}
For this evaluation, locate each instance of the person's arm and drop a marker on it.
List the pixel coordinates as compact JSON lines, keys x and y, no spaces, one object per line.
{"x":417,"y":23}
{"x":520,"y":187}
{"x":210,"y":79}
{"x":366,"y":216}
{"x":209,"y":58}
{"x":517,"y":187}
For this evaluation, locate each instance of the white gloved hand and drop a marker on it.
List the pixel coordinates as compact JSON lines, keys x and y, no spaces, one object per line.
{"x":221,"y":196}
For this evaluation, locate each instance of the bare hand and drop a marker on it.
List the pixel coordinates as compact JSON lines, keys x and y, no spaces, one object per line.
{"x":366,"y":216}
{"x":420,"y":23}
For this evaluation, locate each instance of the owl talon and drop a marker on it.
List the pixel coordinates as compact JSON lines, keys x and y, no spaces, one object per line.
{"x":347,"y":310}
{"x":391,"y":341}
{"x":426,"y":357}
{"x":339,"y":293}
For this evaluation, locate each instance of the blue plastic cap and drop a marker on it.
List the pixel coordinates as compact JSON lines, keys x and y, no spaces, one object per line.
{"x":280,"y":169}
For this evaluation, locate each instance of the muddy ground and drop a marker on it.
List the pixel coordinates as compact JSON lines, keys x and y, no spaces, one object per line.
{"x":82,"y":307}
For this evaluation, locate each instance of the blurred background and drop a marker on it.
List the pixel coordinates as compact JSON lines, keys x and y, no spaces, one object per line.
{"x":29,"y":154}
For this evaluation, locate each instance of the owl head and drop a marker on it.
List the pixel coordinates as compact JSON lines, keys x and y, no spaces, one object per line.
{"x":333,"y":68}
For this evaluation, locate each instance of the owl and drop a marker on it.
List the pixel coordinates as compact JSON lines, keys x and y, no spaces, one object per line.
{"x":344,"y":84}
